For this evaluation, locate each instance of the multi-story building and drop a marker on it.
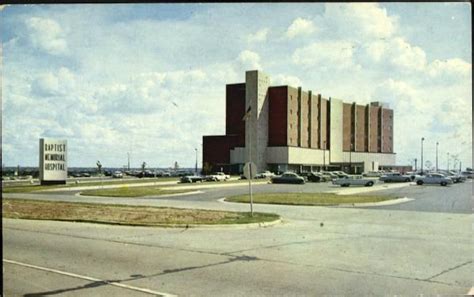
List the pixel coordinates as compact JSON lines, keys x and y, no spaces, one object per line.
{"x":291,"y":129}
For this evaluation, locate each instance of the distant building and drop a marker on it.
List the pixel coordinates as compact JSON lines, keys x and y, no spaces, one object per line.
{"x":296,"y":130}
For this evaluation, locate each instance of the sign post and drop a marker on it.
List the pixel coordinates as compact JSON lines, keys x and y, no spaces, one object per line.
{"x":250,"y":170}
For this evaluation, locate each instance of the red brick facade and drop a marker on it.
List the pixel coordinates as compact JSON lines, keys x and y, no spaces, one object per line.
{"x":301,"y":119}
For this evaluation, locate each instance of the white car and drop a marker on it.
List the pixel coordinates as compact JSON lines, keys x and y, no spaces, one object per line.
{"x":434,"y":178}
{"x":218,"y":176}
{"x":117,"y":174}
{"x":353,"y":180}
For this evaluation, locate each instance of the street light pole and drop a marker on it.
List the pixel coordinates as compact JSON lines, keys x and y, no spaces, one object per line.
{"x":437,"y":143}
{"x":416,"y":168}
{"x":324,"y":155}
{"x":196,"y":166}
{"x":448,"y":162}
{"x":128,"y":158}
{"x":421,"y":164}
{"x":350,"y":159}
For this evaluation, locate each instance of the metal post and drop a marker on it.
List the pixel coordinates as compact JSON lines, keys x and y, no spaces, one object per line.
{"x":416,"y":168}
{"x":128,"y":157}
{"x":437,"y":143}
{"x":324,"y":156}
{"x":448,"y":162}
{"x":196,"y":166}
{"x":350,"y":159}
{"x":421,"y":165}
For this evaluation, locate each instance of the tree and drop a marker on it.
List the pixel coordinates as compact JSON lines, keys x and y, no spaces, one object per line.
{"x":99,"y":167}
{"x":206,"y":168}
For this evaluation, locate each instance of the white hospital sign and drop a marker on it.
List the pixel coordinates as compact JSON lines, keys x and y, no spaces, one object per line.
{"x":53,"y":161}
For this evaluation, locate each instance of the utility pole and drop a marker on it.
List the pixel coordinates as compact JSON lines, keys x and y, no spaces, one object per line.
{"x":437,"y":143}
{"x":350,"y":159}
{"x":196,"y":166}
{"x":448,"y":162}
{"x":422,"y":139}
{"x":128,"y":158}
{"x":324,"y":155}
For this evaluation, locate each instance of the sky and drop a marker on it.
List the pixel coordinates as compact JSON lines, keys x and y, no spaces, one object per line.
{"x":149,"y":79}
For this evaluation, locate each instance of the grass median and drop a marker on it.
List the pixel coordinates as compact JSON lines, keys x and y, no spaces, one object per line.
{"x":308,"y":198}
{"x":124,"y":214}
{"x":131,"y":192}
{"x":26,"y":188}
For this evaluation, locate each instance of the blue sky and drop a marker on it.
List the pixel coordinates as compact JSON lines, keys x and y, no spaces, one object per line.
{"x":150,"y":78}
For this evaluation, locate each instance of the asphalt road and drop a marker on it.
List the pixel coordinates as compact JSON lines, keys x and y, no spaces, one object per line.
{"x":456,"y":198}
{"x":420,"y":247}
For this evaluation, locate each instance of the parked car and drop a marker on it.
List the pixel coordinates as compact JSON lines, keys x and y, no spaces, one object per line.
{"x":76,"y":174}
{"x":288,"y":178}
{"x":354,"y":180}
{"x":467,"y":174}
{"x":85,"y":174}
{"x":395,"y":177}
{"x":117,"y":174}
{"x":372,"y":174}
{"x":191,"y":179}
{"x":318,"y":177}
{"x":265,"y":174}
{"x":331,"y":174}
{"x":341,"y":174}
{"x":413,"y":175}
{"x":455,"y":176}
{"x":218,"y":176}
{"x":434,"y":178}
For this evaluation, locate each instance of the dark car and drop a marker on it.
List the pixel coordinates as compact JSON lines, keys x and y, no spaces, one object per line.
{"x":191,"y":179}
{"x":288,"y":178}
{"x":317,"y":177}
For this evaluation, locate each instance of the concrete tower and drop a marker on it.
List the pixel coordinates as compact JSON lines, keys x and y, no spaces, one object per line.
{"x":256,"y":127}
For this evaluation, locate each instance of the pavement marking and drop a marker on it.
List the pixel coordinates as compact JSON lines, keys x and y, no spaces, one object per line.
{"x":91,"y":279}
{"x":381,"y":203}
{"x":363,"y":189}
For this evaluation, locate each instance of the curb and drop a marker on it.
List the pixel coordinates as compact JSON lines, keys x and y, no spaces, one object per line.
{"x":364,"y":204}
{"x":226,"y":226}
{"x":78,"y":194}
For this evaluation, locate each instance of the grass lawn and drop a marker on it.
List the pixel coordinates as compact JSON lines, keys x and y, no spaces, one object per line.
{"x":131,"y":192}
{"x":124,"y":215}
{"x":25,"y":188}
{"x":308,"y":198}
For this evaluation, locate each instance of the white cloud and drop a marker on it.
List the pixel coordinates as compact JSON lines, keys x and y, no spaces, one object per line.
{"x":326,"y":54}
{"x":282,"y":79}
{"x":300,"y":26}
{"x":398,"y":52}
{"x":456,"y":67}
{"x":47,"y":35}
{"x":259,"y":36}
{"x":50,"y":84}
{"x":363,"y":19}
{"x":249,"y":60}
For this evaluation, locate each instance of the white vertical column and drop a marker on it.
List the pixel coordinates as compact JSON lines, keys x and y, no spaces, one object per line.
{"x":256,"y":128}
